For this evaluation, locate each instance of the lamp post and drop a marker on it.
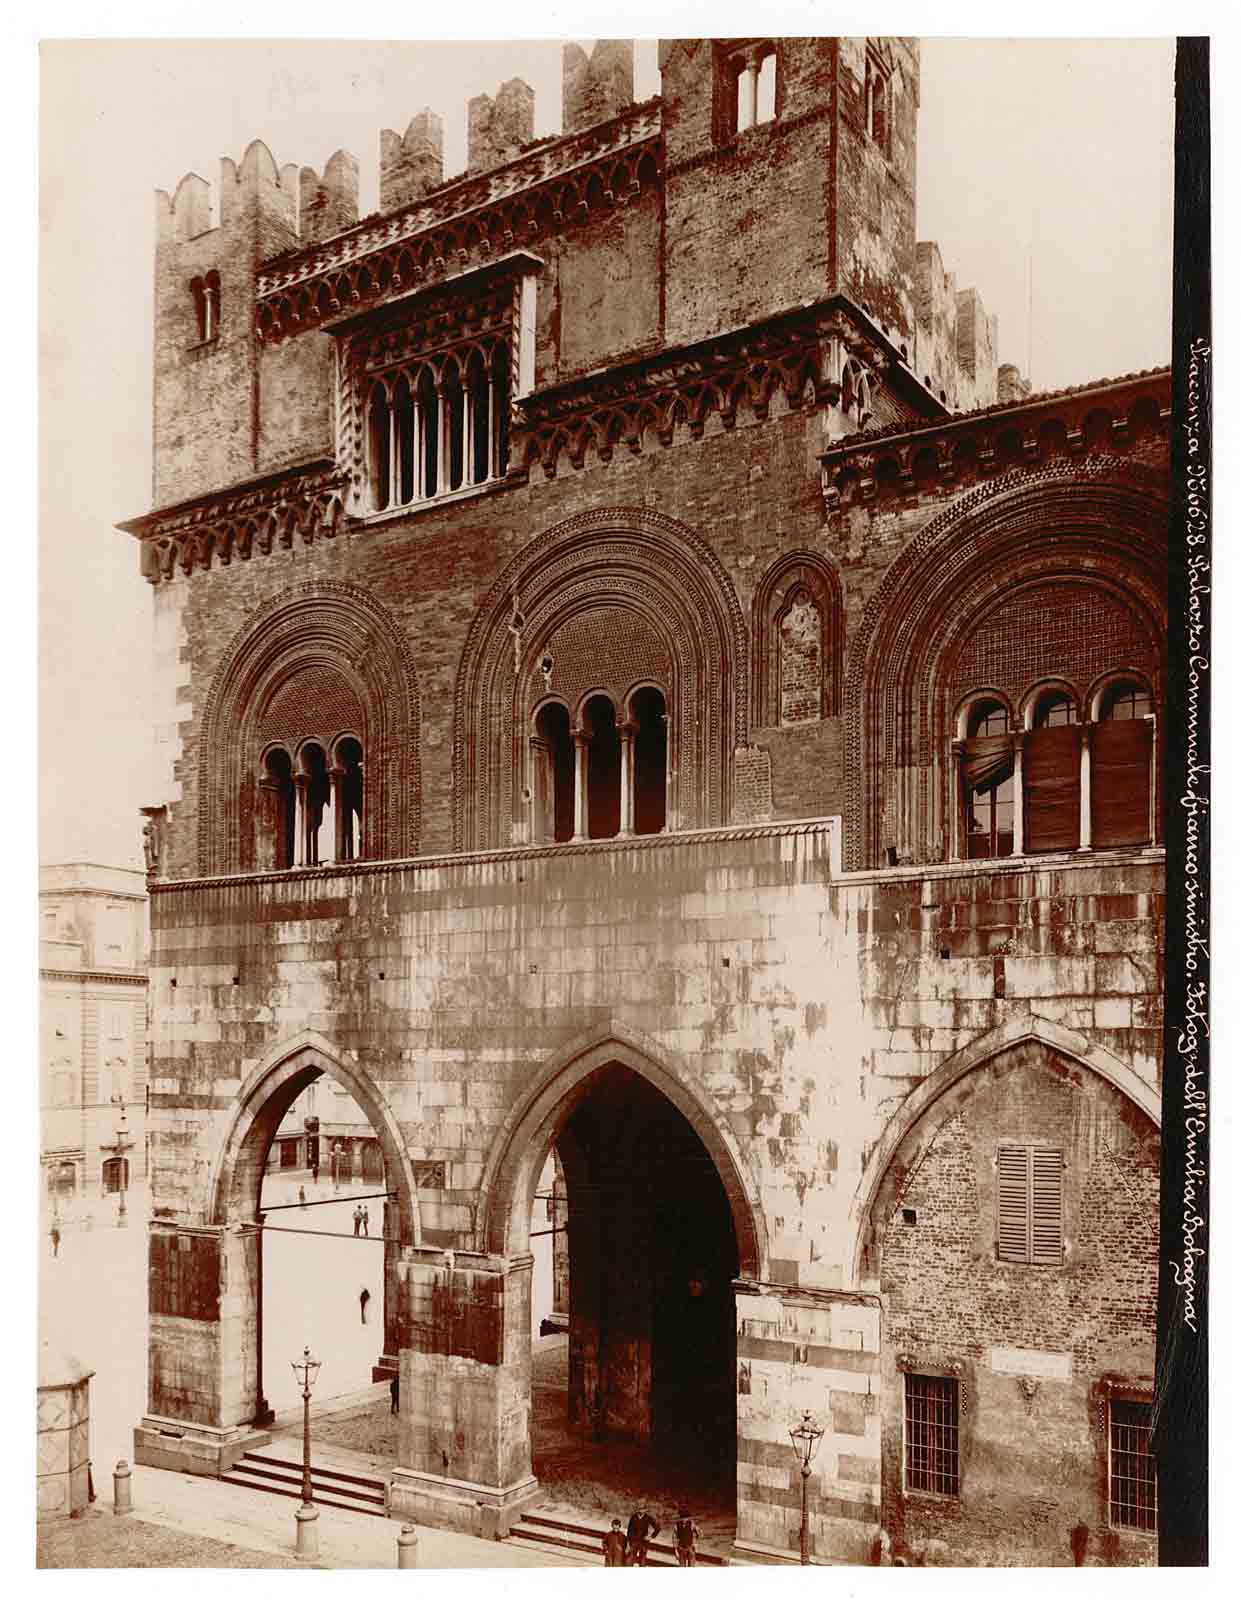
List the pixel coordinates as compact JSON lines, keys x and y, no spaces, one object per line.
{"x":307,"y":1514}
{"x":120,"y":1149}
{"x":805,"y":1436}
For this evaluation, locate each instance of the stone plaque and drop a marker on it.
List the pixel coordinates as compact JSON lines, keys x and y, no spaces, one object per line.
{"x":1054,"y":1364}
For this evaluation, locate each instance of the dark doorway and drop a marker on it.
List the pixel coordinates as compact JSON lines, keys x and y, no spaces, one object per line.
{"x":652,"y":1258}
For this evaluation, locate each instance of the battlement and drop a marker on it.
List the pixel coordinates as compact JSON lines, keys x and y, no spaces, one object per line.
{"x":499,"y":128}
{"x":595,"y":86}
{"x":328,"y":204}
{"x":254,"y":183}
{"x":411,"y":165}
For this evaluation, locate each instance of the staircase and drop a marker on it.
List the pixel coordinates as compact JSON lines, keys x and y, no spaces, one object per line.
{"x":341,"y":1490}
{"x":581,"y":1538}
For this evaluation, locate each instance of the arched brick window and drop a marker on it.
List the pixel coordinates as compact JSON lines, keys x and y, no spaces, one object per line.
{"x":309,"y":752}
{"x":797,"y":642}
{"x":617,"y":631}
{"x":986,"y":780}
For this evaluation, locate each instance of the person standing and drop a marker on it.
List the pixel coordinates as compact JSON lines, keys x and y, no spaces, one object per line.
{"x":55,"y":1239}
{"x":642,"y":1529}
{"x":357,"y":1220}
{"x":364,"y":1301}
{"x":394,"y":1389}
{"x":687,"y":1534}
{"x":366,"y":1221}
{"x":301,"y":1195}
{"x":614,"y":1545}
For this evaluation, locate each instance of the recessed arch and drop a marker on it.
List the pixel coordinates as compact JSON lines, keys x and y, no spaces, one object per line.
{"x":520,"y":1148}
{"x":1018,"y":1030}
{"x":1097,"y":526}
{"x":342,"y":642}
{"x":267,"y":1092}
{"x":628,"y":562}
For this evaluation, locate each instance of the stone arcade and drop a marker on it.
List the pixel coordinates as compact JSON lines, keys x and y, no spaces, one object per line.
{"x":634,"y":677}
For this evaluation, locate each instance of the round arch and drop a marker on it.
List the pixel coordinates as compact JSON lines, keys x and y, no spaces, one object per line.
{"x":550,"y":1098}
{"x":643,"y":566}
{"x":270,"y":1088}
{"x":354,"y":654}
{"x":1019,"y":1030}
{"x":1098,"y":522}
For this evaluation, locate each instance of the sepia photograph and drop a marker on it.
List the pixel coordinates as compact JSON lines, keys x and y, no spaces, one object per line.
{"x":613,"y":735}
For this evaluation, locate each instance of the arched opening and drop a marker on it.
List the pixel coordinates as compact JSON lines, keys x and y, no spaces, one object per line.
{"x":629,"y":1214}
{"x":603,"y":787}
{"x":379,"y":434}
{"x":1052,"y":774}
{"x":349,"y":760}
{"x":650,"y":761}
{"x":455,"y":419}
{"x":428,"y":434}
{"x":987,"y":789}
{"x":553,"y":775}
{"x":279,"y":813}
{"x":314,"y":1176}
{"x":316,"y":822}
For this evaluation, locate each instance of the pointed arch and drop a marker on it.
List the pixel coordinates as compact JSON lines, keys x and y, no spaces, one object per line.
{"x":1016,"y":1031}
{"x":268,"y":1091}
{"x":520,"y":1148}
{"x":800,"y":570}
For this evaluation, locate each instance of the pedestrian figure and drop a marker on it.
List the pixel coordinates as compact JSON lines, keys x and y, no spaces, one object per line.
{"x":614,"y":1546}
{"x":357,"y":1220}
{"x":366,"y":1221}
{"x":314,"y":1173}
{"x":395,"y":1389}
{"x":687,"y":1533}
{"x":301,"y":1195}
{"x":363,"y":1301}
{"x":642,"y":1529}
{"x":55,"y":1239}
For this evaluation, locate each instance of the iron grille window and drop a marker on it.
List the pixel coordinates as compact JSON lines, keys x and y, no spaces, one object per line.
{"x":932,"y":1437}
{"x":1131,"y":1466}
{"x":1030,"y":1205}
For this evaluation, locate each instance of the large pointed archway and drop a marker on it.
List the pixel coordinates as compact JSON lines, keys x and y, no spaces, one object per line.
{"x":661,"y":1221}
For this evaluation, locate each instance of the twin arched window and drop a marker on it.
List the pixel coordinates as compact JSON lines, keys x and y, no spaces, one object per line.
{"x":600,"y":779}
{"x":1056,"y":783}
{"x":311,"y":811}
{"x":438,"y":426}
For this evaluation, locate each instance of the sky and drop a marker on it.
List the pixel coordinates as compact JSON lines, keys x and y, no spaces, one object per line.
{"x":1044,"y":173}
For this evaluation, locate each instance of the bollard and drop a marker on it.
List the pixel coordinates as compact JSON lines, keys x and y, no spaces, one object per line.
{"x":307,"y":1546}
{"x":122,"y":1489}
{"x":407,"y":1546}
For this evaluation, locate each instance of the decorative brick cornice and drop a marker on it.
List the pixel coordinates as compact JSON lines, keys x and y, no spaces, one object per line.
{"x":801,"y":353}
{"x":305,"y":502}
{"x":133,"y":980}
{"x":563,"y":181}
{"x":516,"y":855}
{"x":1102,"y":419}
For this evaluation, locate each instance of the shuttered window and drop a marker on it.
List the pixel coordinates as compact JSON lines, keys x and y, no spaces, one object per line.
{"x":1030,"y":1205}
{"x":1120,"y":783}
{"x":1051,"y":772}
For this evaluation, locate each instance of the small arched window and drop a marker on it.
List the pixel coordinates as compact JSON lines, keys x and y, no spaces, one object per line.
{"x":603,"y":783}
{"x":650,"y":761}
{"x":205,"y":293}
{"x":380,"y":442}
{"x":987,"y":788}
{"x":347,"y":773}
{"x":1051,"y":775}
{"x":1122,"y":786}
{"x":552,"y":750}
{"x":316,"y":813}
{"x":277,"y":831}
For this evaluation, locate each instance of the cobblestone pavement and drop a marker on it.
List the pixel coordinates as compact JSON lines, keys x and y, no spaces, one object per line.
{"x":99,"y":1539}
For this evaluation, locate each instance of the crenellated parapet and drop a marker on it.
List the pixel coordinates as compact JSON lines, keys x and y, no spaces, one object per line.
{"x":1111,"y":418}
{"x":596,"y":86}
{"x":564,"y":182}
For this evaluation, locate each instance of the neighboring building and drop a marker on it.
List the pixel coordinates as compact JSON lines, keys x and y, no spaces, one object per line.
{"x":92,"y":1026}
{"x":634,"y":679}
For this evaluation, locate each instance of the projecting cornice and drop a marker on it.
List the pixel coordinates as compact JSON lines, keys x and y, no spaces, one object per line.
{"x":1105,"y":418}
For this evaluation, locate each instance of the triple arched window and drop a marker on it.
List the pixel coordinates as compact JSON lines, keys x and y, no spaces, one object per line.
{"x":600,"y":776}
{"x":1051,"y":775}
{"x":311,"y":804}
{"x":438,"y":425}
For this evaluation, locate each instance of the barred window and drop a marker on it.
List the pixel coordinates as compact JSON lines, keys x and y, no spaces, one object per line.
{"x":1130,"y":1466}
{"x":1030,"y":1205}
{"x":932,"y":1435}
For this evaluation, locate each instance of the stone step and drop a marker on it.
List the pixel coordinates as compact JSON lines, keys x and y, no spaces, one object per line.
{"x":364,"y":1486}
{"x":342,"y":1491}
{"x":589,"y":1540}
{"x":245,"y":1481}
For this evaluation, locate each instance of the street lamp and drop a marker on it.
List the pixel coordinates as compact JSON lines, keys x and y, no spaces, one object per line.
{"x":306,"y":1371}
{"x":120,"y":1149}
{"x":805,"y":1436}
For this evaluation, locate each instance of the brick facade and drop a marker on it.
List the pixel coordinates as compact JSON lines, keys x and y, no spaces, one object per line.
{"x":726,"y":480}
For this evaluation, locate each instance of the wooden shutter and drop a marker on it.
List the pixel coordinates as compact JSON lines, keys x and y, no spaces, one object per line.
{"x":1046,"y":1208}
{"x":1013,"y":1203}
{"x":1051,"y":780}
{"x":1120,"y":783}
